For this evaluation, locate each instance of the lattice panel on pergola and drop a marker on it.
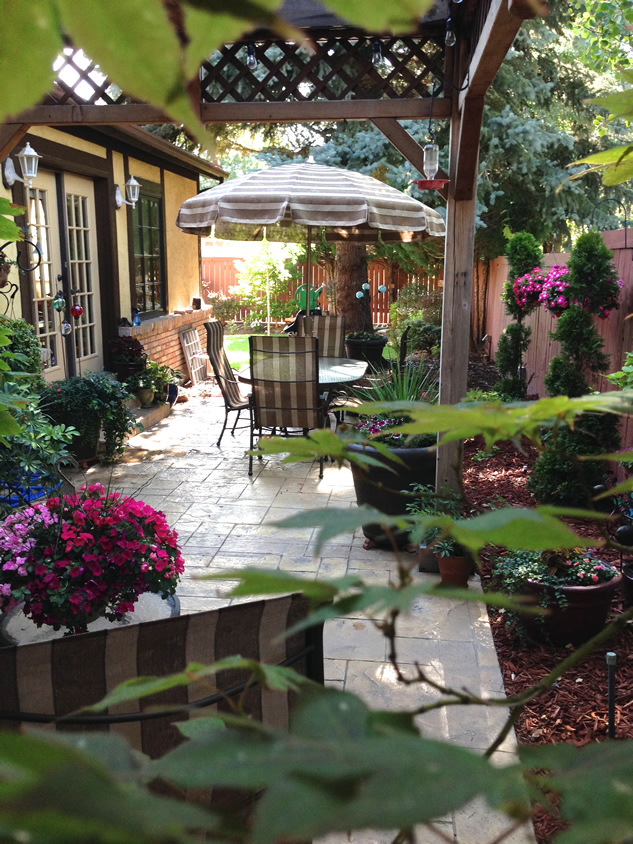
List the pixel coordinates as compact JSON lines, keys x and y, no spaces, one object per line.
{"x":338,"y":68}
{"x":80,"y":80}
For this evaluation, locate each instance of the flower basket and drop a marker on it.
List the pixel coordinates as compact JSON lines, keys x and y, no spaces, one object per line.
{"x":74,"y":558}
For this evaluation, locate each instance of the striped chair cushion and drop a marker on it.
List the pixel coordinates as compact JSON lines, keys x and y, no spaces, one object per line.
{"x":331,"y":333}
{"x":284,"y":378}
{"x":222,"y":370}
{"x":60,"y":676}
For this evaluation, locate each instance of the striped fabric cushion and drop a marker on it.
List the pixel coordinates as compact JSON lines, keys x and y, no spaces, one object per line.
{"x":222,"y":370}
{"x":284,"y":378}
{"x":61,"y":676}
{"x":331,"y":333}
{"x":311,"y":195}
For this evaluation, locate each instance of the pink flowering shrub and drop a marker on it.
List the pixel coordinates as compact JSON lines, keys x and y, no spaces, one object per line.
{"x":554,"y":292}
{"x":527,"y":289}
{"x":73,"y":558}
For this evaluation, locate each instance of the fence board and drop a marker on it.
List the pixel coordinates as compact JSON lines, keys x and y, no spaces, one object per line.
{"x":219,"y":275}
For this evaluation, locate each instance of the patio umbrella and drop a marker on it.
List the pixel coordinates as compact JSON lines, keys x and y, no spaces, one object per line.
{"x":309,"y":195}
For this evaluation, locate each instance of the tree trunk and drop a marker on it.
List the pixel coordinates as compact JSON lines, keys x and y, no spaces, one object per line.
{"x":351,"y":274}
{"x":481,"y":275}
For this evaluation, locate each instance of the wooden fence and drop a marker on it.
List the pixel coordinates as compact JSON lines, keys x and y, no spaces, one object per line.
{"x":616,"y":330}
{"x":219,"y":276}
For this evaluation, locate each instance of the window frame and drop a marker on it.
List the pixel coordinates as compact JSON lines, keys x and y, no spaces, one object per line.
{"x":150,"y":192}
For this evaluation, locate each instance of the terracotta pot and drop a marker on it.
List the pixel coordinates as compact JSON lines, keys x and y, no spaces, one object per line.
{"x":382,"y":487}
{"x":455,"y":571}
{"x":584,"y":616}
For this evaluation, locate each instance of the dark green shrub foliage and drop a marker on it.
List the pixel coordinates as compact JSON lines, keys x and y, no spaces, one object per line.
{"x":558,"y":478}
{"x":24,"y":342}
{"x":593,"y":281}
{"x":423,"y":335}
{"x":513,"y":344}
{"x":523,"y":254}
{"x":564,"y":378}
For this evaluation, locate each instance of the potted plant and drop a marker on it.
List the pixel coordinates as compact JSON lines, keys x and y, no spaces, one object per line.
{"x":91,"y":403}
{"x":454,"y":563}
{"x":165,"y":381}
{"x":438,"y":553}
{"x":79,"y":557}
{"x":143,"y":386}
{"x":366,"y":345}
{"x":128,"y":356}
{"x":28,"y":463}
{"x":573,"y":586}
{"x":386,"y":484}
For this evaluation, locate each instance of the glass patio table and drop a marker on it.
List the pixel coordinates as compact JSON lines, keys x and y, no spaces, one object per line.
{"x":333,"y":373}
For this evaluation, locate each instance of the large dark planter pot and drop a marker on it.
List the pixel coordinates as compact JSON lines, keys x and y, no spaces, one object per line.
{"x":583,"y":617}
{"x":382,"y":487}
{"x":626,"y":587}
{"x":127,"y":368}
{"x":84,"y":447}
{"x":369,"y":350}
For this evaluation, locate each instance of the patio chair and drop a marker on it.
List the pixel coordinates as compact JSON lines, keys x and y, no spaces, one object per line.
{"x":285,"y":384}
{"x":234,"y":401}
{"x":331,"y":333}
{"x":48,"y":682}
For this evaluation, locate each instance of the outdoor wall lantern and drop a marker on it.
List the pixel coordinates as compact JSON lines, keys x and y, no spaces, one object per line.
{"x":29,"y":161}
{"x":132,"y":188}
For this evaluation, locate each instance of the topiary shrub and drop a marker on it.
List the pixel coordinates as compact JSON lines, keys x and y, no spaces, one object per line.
{"x":557,"y":476}
{"x":524,"y":256}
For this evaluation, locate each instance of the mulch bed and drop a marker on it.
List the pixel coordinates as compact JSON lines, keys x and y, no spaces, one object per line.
{"x":575,"y":710}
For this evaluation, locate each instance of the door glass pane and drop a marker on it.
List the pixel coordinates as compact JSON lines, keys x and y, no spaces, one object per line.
{"x":38,"y":231}
{"x":81,"y":274}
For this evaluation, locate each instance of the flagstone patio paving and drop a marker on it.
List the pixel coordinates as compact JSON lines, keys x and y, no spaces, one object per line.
{"x":225,"y":521}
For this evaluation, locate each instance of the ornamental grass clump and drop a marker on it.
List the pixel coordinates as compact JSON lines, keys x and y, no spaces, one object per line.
{"x":75,"y":558}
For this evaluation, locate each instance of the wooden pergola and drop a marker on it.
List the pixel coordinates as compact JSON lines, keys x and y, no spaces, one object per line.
{"x":337,"y":81}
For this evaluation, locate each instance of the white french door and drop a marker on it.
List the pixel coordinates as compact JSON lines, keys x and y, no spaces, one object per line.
{"x":81,"y":268}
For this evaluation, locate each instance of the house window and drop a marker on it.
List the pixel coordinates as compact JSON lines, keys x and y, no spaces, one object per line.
{"x":149,"y":283}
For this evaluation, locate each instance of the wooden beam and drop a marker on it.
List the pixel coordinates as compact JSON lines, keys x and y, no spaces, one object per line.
{"x":67,"y":114}
{"x":295,"y":112}
{"x":406,"y":145}
{"x":496,"y":38}
{"x":10,"y":136}
{"x":458,"y":283}
{"x":467,"y":159}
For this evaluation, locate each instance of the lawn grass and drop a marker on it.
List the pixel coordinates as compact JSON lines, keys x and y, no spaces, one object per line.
{"x":236,"y":347}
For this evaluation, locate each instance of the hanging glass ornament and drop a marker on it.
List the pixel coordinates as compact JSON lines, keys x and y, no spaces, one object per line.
{"x":382,"y":289}
{"x":76,"y":311}
{"x":366,"y":286}
{"x":59,"y":303}
{"x":65,"y":329}
{"x":360,"y":294}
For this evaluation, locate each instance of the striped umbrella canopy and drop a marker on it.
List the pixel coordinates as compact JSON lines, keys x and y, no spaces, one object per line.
{"x":309,"y":195}
{"x":306,"y":194}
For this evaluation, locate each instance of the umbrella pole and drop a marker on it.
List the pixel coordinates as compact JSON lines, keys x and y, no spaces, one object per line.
{"x":309,"y":279}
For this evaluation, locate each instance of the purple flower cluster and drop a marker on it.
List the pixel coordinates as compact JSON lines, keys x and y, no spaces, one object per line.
{"x":527,"y":289}
{"x":380,"y":427}
{"x":553,"y":295}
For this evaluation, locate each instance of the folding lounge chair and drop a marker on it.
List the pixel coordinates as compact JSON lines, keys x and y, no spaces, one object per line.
{"x":234,"y":401}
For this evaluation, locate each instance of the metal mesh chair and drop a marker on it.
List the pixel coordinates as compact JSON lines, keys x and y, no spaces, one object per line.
{"x":285,"y":387}
{"x":234,"y":401}
{"x":331,"y":333}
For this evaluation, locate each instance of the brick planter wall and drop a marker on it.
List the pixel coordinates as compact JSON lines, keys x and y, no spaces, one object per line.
{"x":160,"y":336}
